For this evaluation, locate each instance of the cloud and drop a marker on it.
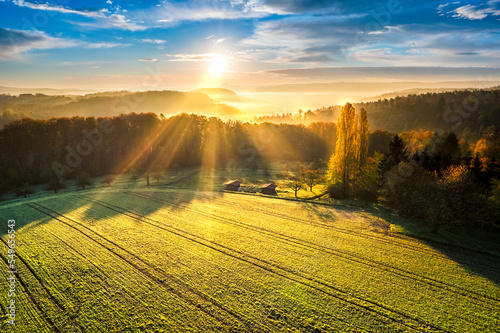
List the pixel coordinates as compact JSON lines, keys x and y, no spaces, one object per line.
{"x":202,"y":10}
{"x":220,"y":40}
{"x":102,"y":45}
{"x":297,"y":38}
{"x":15,"y":42}
{"x":198,"y":57}
{"x":313,"y":58}
{"x":284,"y":7}
{"x":471,"y":12}
{"x":154,"y":41}
{"x":391,"y":73}
{"x":150,"y":59}
{"x":103,"y":19}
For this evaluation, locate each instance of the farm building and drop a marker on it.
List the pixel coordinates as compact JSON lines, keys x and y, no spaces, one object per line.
{"x":232,"y":185}
{"x":269,"y":189}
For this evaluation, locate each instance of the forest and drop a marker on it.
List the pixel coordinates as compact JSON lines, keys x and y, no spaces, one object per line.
{"x":436,"y":176}
{"x":466,"y":112}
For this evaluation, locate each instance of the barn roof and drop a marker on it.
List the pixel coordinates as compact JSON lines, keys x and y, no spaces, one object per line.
{"x":233,"y":182}
{"x":269,"y":186}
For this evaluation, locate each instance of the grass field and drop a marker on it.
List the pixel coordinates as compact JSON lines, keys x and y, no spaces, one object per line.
{"x":179,"y":260}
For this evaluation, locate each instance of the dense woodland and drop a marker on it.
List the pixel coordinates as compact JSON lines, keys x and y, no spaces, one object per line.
{"x":467,"y":113}
{"x":437,"y":176}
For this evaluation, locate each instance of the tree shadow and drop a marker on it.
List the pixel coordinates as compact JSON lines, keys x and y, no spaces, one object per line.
{"x":468,"y":248}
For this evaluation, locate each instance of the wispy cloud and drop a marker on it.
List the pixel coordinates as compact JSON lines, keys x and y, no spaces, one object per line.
{"x":102,"y":45}
{"x":475,"y":12}
{"x":103,"y":16}
{"x":15,"y":42}
{"x":198,"y":57}
{"x":149,"y":59}
{"x":200,"y":10}
{"x":220,"y":40}
{"x":154,"y":41}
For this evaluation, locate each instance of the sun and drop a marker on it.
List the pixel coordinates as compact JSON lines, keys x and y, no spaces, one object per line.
{"x":218,"y":65}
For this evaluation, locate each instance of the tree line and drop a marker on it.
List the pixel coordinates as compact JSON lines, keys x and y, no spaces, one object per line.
{"x":466,"y":112}
{"x":435,"y":176}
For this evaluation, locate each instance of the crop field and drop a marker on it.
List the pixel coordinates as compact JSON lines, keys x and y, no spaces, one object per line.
{"x":171,"y":260}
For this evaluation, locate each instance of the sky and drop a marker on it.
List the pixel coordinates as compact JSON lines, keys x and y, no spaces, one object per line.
{"x":243,"y":44}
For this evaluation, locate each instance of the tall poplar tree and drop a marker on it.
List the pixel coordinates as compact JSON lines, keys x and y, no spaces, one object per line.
{"x":362,"y":144}
{"x":341,"y":163}
{"x":351,"y":149}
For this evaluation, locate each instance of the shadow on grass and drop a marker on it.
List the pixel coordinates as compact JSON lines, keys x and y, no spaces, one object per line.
{"x":477,"y":251}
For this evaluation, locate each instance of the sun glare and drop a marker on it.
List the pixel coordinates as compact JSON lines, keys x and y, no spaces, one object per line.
{"x":218,"y":65}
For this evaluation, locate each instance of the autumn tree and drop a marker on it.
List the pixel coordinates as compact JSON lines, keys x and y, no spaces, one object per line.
{"x":351,"y":149}
{"x":296,"y":184}
{"x":310,"y":176}
{"x":363,"y":137}
{"x":370,"y":178}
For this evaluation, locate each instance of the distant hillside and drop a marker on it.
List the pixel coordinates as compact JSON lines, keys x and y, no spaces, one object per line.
{"x":41,"y":106}
{"x":417,"y":91}
{"x":220,"y":94}
{"x":369,"y":87}
{"x":45,"y":91}
{"x":468,"y":113}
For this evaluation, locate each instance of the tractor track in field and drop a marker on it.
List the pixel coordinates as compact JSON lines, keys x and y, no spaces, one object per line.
{"x":359,"y":234}
{"x":431,"y":253}
{"x":311,"y":246}
{"x":54,"y":214}
{"x":345,"y":255}
{"x":110,"y":278}
{"x":361,"y":329}
{"x":30,"y":295}
{"x":265,"y":265}
{"x":454,"y":248}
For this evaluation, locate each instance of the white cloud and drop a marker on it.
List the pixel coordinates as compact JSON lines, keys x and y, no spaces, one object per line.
{"x":15,"y":42}
{"x":220,"y":40}
{"x":198,"y":57}
{"x":109,"y":2}
{"x":478,"y":12}
{"x":469,"y":12}
{"x":102,"y":45}
{"x":104,"y":21}
{"x":154,"y":41}
{"x":199,"y":10}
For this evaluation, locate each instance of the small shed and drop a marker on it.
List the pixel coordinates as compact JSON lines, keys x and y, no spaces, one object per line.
{"x":269,"y":189}
{"x":232,"y":185}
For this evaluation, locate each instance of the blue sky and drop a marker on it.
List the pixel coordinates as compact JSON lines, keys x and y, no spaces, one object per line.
{"x":118,"y":44}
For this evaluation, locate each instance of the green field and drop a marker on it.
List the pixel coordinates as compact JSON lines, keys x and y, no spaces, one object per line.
{"x":181,"y":260}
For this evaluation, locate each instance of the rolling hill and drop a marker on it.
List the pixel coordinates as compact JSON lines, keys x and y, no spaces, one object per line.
{"x":175,"y":260}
